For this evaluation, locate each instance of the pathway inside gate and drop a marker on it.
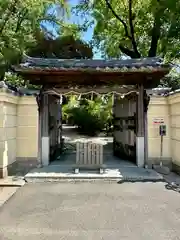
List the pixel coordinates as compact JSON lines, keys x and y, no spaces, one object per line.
{"x":71,"y":136}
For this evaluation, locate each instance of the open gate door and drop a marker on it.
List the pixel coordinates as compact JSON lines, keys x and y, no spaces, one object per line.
{"x":124,"y":143}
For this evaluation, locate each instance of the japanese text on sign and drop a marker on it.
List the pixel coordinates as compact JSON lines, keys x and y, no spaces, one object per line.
{"x":158,"y":120}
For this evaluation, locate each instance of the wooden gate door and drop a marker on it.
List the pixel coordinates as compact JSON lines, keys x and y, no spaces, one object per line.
{"x":125,"y":129}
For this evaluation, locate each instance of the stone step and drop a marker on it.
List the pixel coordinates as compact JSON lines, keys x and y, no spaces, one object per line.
{"x":123,"y":174}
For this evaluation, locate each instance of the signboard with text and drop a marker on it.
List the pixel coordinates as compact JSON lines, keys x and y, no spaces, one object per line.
{"x":158,"y":120}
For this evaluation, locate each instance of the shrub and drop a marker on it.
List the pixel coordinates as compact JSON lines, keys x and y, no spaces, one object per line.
{"x":91,"y":116}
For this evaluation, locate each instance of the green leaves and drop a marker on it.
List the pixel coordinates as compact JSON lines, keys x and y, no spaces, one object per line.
{"x":14,"y":80}
{"x":154,"y":24}
{"x":64,"y":47}
{"x":19,"y":23}
{"x":91,"y":116}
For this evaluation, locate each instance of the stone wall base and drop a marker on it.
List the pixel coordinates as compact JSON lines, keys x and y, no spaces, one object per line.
{"x":22,"y":166}
{"x":26,"y":159}
{"x":19,"y":168}
{"x":156,"y":161}
{"x":3,"y":172}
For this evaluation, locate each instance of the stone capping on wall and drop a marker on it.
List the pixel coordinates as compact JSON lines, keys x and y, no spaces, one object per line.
{"x":158,"y":92}
{"x":163,"y":92}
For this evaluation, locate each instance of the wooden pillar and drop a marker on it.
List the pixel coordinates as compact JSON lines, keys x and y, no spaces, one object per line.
{"x":146,"y":103}
{"x":114,"y":102}
{"x":140,"y":156}
{"x":39,"y":104}
{"x":145,"y":139}
{"x":53,"y":130}
{"x":57,"y":124}
{"x":45,"y":142}
{"x":39,"y":160}
{"x":60,"y":121}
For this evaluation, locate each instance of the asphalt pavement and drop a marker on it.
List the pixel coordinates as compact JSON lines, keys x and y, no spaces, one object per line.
{"x":84,"y":211}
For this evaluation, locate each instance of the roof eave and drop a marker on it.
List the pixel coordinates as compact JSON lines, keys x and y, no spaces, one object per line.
{"x":39,"y":70}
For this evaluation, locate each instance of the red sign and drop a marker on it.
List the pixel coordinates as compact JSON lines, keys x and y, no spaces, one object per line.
{"x":158,"y":120}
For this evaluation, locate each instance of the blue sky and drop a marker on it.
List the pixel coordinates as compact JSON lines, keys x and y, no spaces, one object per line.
{"x":77,"y":20}
{"x":86,"y":36}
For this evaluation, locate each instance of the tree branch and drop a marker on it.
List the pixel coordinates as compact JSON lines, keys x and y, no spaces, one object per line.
{"x":127,"y":51}
{"x":21,"y":18}
{"x":134,"y":44}
{"x":130,"y":53}
{"x":155,"y":36}
{"x":120,"y":19}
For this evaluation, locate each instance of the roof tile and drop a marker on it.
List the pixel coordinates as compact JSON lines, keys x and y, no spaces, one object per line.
{"x":141,"y":64}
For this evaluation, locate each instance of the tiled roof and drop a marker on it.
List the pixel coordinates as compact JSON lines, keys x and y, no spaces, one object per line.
{"x":48,"y":64}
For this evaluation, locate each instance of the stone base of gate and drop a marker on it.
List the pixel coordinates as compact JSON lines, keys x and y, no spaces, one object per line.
{"x":125,"y":174}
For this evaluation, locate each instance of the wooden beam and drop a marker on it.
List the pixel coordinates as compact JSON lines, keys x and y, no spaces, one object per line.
{"x":148,"y":79}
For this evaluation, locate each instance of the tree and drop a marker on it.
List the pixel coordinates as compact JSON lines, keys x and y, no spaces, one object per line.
{"x":20,"y":20}
{"x":64,"y":47}
{"x":135,"y":28}
{"x":172,"y":80}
